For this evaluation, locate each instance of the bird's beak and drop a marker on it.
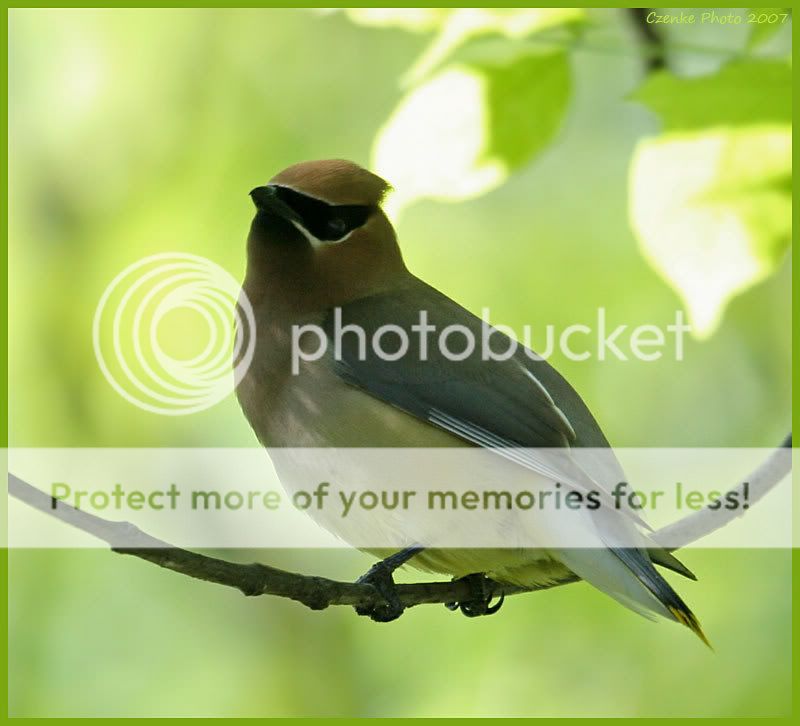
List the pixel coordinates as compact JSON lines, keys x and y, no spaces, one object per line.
{"x":267,"y":200}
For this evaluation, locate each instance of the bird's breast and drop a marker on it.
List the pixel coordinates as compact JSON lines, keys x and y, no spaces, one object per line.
{"x":292,"y":400}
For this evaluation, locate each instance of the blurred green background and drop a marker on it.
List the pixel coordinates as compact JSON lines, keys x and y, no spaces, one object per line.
{"x":136,"y":132}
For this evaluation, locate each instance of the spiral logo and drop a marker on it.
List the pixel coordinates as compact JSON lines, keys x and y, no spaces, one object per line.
{"x":148,"y":324}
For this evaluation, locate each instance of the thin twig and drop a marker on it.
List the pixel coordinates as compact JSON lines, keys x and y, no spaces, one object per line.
{"x":652,"y":40}
{"x":318,"y":593}
{"x":251,"y":579}
{"x":705,"y":521}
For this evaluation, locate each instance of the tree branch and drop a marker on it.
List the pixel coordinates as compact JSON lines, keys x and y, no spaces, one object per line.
{"x":651,"y":39}
{"x":253,"y":579}
{"x":705,"y":521}
{"x":318,"y":593}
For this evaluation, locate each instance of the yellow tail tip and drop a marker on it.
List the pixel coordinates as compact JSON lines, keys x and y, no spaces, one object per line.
{"x":690,"y":621}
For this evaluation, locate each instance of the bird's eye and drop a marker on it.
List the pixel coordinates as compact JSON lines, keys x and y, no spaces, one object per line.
{"x":337,"y":226}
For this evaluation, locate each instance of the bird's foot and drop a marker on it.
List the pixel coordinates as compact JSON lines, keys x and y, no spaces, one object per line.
{"x":480,"y":600}
{"x":380,"y":577}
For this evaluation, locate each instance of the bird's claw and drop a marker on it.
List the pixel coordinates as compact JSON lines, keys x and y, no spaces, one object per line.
{"x":480,"y":599}
{"x":380,"y":577}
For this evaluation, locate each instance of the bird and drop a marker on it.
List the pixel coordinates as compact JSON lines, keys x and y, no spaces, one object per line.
{"x":321,"y":250}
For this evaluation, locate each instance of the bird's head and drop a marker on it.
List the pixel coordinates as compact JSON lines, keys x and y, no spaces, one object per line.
{"x":320,"y":223}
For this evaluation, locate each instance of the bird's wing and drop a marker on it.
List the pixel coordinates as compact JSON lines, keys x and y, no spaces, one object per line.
{"x":516,"y":406}
{"x":502,"y":404}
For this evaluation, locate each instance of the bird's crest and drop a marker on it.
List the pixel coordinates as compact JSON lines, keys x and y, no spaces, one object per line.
{"x":335,"y":181}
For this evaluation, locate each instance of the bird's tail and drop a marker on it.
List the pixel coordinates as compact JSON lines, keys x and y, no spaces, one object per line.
{"x":628,"y":575}
{"x":641,"y":566}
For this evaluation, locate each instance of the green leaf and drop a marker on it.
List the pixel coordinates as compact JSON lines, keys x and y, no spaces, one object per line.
{"x":526,"y":101}
{"x":458,"y":24}
{"x":760,"y":32}
{"x":460,"y":133}
{"x":710,"y":199}
{"x":417,"y":20}
{"x":464,"y":24}
{"x":741,"y":93}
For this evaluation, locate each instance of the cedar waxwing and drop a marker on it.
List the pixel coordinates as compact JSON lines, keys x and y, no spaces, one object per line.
{"x":320,"y":242}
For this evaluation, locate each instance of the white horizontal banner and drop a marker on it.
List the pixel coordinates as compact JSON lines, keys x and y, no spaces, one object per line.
{"x":379,"y":499}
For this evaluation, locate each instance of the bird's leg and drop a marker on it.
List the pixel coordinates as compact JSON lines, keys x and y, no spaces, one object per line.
{"x":380,"y":577}
{"x":481,"y":594}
